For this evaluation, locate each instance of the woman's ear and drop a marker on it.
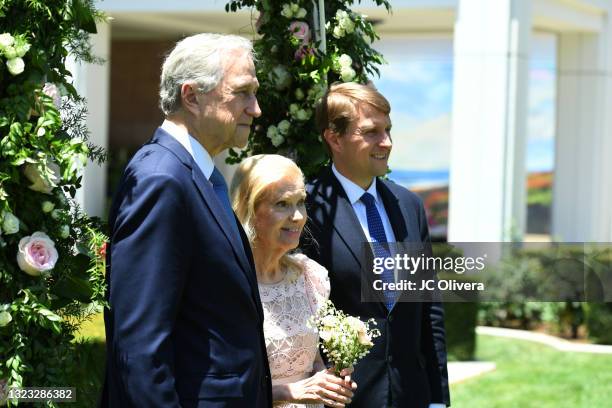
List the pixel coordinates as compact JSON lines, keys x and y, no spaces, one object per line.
{"x":189,"y":97}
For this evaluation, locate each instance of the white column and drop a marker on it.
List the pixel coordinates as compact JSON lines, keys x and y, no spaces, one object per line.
{"x":92,"y":81}
{"x":487,"y":170}
{"x":582,"y":200}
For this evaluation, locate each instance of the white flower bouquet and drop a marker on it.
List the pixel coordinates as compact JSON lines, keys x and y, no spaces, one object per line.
{"x":346,"y":339}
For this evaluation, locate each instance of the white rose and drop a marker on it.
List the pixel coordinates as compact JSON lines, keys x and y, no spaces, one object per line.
{"x":348,"y":25}
{"x":277,"y":140}
{"x":295,"y":8}
{"x":365,"y":339}
{"x":301,"y":13}
{"x":280,"y":76}
{"x":345,"y":61}
{"x":283,"y":126}
{"x":5,"y":318}
{"x":10,"y":52}
{"x":6,"y":40}
{"x":330,"y":321}
{"x":36,"y":254}
{"x":10,"y":223}
{"x":56,"y":214}
{"x":64,"y":231}
{"x":286,"y":11}
{"x":272,"y":131}
{"x":356,"y":324}
{"x":15,"y":66}
{"x":293,"y":108}
{"x":299,"y":94}
{"x":347,"y":74}
{"x":39,"y":183}
{"x":22,"y":49}
{"x":47,"y":206}
{"x":302,"y":115}
{"x":316,"y":92}
{"x":325,"y":335}
{"x":338,"y":32}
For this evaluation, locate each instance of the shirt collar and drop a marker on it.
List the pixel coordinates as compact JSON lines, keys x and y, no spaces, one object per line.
{"x":195,"y":149}
{"x":353,"y":191}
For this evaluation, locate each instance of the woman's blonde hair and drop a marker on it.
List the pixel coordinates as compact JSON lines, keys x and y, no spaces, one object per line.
{"x":250,"y":185}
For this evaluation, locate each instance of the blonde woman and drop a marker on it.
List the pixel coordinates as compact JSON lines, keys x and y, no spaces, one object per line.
{"x":268,"y":197}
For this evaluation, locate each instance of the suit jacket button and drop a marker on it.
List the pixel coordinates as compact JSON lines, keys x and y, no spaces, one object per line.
{"x":390,"y":318}
{"x":264,"y":383}
{"x":389,"y":359}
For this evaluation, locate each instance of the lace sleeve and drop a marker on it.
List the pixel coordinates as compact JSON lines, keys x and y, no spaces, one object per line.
{"x":316,"y":281}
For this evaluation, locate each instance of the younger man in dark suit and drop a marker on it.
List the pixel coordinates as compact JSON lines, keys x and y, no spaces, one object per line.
{"x":348,"y":205}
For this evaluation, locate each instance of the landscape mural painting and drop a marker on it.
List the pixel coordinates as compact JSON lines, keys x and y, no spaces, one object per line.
{"x":418,"y":81}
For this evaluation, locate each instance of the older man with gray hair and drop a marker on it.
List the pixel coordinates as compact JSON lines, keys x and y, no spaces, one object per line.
{"x":185,"y":324}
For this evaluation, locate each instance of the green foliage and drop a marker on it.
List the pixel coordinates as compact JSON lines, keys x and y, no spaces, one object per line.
{"x":460,"y":323}
{"x":599,"y":322}
{"x":294,"y":73}
{"x":51,"y":267}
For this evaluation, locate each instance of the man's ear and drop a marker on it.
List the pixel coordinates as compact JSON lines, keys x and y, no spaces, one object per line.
{"x":189,"y":98}
{"x":332,"y":139}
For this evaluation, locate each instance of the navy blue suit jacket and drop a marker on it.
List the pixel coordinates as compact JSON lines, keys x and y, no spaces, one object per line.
{"x":406,"y":367}
{"x":185,"y":324}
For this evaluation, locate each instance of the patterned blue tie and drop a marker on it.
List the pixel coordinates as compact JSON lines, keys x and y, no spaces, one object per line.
{"x":220,"y":187}
{"x":379,"y":246}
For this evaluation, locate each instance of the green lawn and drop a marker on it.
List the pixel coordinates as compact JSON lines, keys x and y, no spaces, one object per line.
{"x":533,"y":375}
{"x":527,"y":375}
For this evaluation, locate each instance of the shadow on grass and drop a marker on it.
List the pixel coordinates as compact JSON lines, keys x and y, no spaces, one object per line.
{"x":88,"y":374}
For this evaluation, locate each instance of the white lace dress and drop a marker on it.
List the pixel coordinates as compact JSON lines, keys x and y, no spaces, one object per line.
{"x":291,"y":345}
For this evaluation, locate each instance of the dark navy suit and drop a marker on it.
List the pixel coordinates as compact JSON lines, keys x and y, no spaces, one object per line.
{"x":185,"y":325}
{"x":406,"y":368}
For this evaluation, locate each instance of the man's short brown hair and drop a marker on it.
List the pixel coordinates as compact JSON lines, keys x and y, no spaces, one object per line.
{"x":338,"y":108}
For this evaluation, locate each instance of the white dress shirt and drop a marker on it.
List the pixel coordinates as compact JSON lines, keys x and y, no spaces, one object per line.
{"x":354,"y":193}
{"x":195,"y":149}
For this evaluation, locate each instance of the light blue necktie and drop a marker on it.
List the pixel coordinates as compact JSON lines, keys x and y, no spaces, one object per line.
{"x":379,"y":246}
{"x":220,"y":187}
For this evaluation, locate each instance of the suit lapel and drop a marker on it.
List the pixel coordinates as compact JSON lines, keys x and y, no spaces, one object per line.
{"x":345,"y":222}
{"x":348,"y":227}
{"x":397,"y":218}
{"x":210,"y":199}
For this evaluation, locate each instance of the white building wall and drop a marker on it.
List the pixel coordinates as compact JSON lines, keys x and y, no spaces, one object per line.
{"x":92,"y":81}
{"x":487,"y":172}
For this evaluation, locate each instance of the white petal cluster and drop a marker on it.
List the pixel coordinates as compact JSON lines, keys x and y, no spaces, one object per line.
{"x":343,"y":66}
{"x":316,"y":92}
{"x":275,"y":136}
{"x":345,"y":339}
{"x":293,"y":10}
{"x":344,"y":24}
{"x":298,"y":113}
{"x":280,"y":77}
{"x":10,"y":223}
{"x":13,"y":49}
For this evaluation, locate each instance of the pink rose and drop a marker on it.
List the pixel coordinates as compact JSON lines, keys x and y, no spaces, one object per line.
{"x":36,"y":254}
{"x":53,"y":91}
{"x":301,"y":31}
